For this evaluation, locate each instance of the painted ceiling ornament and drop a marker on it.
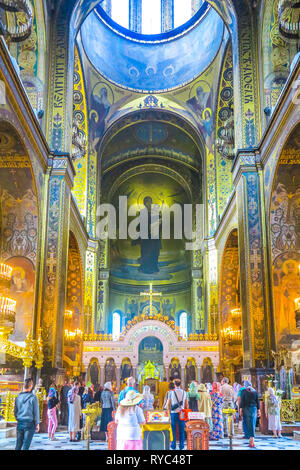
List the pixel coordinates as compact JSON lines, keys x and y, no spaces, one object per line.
{"x":23,"y":29}
{"x":289,"y":19}
{"x":79,"y":142}
{"x":225,"y":140}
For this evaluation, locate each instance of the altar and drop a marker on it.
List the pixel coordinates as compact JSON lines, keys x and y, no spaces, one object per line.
{"x":149,"y":373}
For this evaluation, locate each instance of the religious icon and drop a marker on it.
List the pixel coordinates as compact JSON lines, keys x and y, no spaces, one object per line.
{"x":190,"y":371}
{"x":131,"y":308}
{"x":110,"y":371}
{"x":126,"y":371}
{"x":150,"y":247}
{"x":169,"y":308}
{"x":201,"y":104}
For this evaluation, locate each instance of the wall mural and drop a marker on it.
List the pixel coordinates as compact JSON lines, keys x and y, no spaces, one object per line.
{"x":152,"y":67}
{"x":30,"y":54}
{"x":285,"y":234}
{"x":80,"y":137}
{"x":225,"y":107}
{"x":277,"y":54}
{"x":164,"y":261}
{"x":74,"y":294}
{"x":18,"y":225}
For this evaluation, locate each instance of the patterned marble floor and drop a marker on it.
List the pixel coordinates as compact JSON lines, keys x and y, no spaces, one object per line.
{"x":41,"y":442}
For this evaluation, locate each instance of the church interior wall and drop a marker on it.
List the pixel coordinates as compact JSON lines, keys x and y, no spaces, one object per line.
{"x":108,"y":135}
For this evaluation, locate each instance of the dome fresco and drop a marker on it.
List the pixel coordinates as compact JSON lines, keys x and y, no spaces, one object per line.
{"x":163,"y":62}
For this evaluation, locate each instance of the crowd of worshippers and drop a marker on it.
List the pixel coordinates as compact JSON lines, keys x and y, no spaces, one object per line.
{"x":128,"y":409}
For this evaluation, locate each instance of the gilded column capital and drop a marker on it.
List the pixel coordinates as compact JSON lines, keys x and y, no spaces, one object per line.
{"x":245,"y":161}
{"x":62,"y":165}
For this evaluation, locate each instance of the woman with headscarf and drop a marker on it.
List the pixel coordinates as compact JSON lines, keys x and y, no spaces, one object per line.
{"x":108,"y":406}
{"x":51,"y":413}
{"x":205,"y":404}
{"x":273,"y":413}
{"x":217,"y":415}
{"x":148,"y":398}
{"x":236,"y":388}
{"x":193,"y":396}
{"x":74,"y":404}
{"x":249,"y":409}
{"x":130,"y":417}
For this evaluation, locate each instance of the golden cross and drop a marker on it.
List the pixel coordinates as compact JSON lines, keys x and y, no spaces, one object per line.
{"x":151,"y":294}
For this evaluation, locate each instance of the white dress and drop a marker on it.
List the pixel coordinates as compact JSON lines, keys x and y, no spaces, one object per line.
{"x":74,"y":414}
{"x":129,"y":428}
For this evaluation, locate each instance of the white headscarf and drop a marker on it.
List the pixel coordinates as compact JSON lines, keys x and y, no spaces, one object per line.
{"x":146,"y":390}
{"x":108,"y":386}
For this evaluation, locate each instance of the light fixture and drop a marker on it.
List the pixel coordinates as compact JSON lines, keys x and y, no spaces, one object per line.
{"x":231,"y":336}
{"x":68,"y":313}
{"x":75,"y":335}
{"x":7,"y":305}
{"x":236,"y":312}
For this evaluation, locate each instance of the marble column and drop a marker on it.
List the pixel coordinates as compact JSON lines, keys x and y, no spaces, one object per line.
{"x":199,"y":374}
{"x":56,"y":258}
{"x":118,"y":376}
{"x":102,"y":375}
{"x":257,"y":322}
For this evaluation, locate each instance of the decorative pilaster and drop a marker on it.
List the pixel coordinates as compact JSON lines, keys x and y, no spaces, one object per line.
{"x":246,"y":78}
{"x":167,"y":15}
{"x":61,"y":68}
{"x":56,"y":255}
{"x":256,"y":325}
{"x":211,"y":294}
{"x":197,"y":293}
{"x":135,"y":16}
{"x":90,"y":287}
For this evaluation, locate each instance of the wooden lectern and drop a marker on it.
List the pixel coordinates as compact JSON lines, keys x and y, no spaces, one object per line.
{"x":197,"y":435}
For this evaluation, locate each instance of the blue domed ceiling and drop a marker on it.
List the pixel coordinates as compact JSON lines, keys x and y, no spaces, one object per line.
{"x":152,"y":63}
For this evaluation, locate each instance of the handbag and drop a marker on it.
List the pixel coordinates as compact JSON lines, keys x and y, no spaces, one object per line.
{"x":184,"y":414}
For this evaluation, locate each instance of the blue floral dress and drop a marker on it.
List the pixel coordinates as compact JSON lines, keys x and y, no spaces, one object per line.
{"x":217,"y":417}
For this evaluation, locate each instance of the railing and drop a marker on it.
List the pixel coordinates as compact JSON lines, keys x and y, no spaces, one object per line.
{"x":91,"y":412}
{"x":7,"y":406}
{"x":290,"y":410}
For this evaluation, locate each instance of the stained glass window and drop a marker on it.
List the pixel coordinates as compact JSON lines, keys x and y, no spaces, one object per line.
{"x":120,"y":12}
{"x":182,"y":12}
{"x":183,"y":329}
{"x":116,"y":329}
{"x":151,"y":17}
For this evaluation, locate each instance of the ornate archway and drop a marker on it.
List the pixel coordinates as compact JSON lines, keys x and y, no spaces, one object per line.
{"x":230,"y":316}
{"x":284,"y":220}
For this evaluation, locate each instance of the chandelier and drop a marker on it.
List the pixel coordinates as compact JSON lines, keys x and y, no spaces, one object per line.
{"x":7,"y":305}
{"x":236,"y":312}
{"x":75,"y":335}
{"x":231,"y":336}
{"x":68,"y":314}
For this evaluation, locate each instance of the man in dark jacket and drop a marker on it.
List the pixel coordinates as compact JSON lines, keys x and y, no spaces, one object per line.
{"x":27,"y":415}
{"x":64,"y":403}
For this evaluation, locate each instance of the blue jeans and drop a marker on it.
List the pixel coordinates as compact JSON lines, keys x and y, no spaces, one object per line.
{"x":25,"y":433}
{"x":249,"y":420}
{"x":174,"y":421}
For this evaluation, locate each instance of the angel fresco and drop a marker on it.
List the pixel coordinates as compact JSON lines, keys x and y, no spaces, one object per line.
{"x":201,"y":105}
{"x":169,"y":308}
{"x":103,"y":109}
{"x":131,"y":308}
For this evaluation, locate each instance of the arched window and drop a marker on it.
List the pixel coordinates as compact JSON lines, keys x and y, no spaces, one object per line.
{"x":120,"y":12}
{"x":116,"y":327}
{"x":182,"y":12}
{"x":183,"y":326}
{"x":151,"y":17}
